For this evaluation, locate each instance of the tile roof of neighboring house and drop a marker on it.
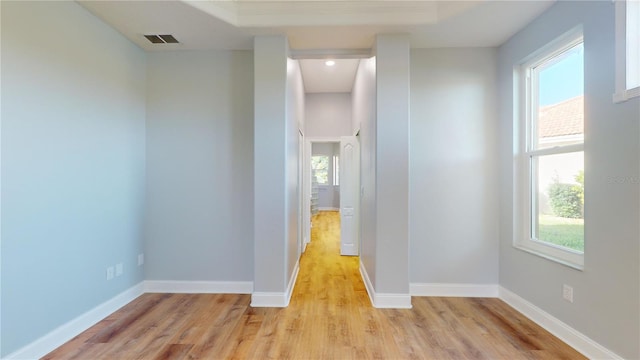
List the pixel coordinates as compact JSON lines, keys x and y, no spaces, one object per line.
{"x":561,"y":119}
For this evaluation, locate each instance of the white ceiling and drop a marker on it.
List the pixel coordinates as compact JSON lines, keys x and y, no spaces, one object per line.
{"x":310,"y":25}
{"x":320,"y":78}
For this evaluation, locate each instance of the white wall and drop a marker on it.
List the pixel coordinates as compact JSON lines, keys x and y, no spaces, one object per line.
{"x":454,"y":167}
{"x":200,"y":166}
{"x":606,"y":304}
{"x":328,"y":115}
{"x":73,"y":138}
{"x":364,"y":119}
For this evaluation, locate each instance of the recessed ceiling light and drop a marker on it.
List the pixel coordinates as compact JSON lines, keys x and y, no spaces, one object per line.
{"x":329,"y":62}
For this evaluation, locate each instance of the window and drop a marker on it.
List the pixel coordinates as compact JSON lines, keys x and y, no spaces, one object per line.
{"x":551,"y":159}
{"x":627,"y":50}
{"x":336,"y":170}
{"x":320,"y":167}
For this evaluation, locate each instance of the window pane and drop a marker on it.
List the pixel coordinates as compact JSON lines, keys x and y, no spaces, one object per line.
{"x":320,"y":167}
{"x":559,"y":117}
{"x":559,"y":199}
{"x":336,"y":170}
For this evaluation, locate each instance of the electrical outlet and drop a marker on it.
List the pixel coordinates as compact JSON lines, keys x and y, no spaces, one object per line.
{"x":567,"y":293}
{"x":140,"y":259}
{"x":119,"y":269}
{"x":110,"y":272}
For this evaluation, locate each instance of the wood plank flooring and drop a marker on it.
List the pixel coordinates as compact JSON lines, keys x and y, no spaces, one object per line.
{"x":330,"y":317}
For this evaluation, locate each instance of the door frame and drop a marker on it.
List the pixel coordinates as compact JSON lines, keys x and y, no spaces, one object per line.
{"x":306,"y":211}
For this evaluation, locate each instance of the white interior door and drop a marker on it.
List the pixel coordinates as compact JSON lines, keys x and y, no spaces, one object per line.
{"x":301,"y":202}
{"x":349,"y":195}
{"x":307,"y":194}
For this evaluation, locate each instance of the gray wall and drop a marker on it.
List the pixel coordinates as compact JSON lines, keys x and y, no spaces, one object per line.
{"x":271,"y":154}
{"x":199,"y":221}
{"x":392,"y":164}
{"x":328,"y":115}
{"x":364,"y":119}
{"x":454,"y":167}
{"x":606,"y":293}
{"x":279,"y":110}
{"x":73,"y":137}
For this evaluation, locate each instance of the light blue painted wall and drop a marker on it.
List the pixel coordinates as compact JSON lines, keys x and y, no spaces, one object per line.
{"x":364,"y":121}
{"x":392,"y":164}
{"x":271,"y":164}
{"x":454,"y":166}
{"x":328,"y":115}
{"x":199,"y":220}
{"x":606,"y":304}
{"x":73,"y":138}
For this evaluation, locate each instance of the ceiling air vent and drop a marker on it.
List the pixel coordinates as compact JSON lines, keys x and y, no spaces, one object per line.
{"x":162,"y":39}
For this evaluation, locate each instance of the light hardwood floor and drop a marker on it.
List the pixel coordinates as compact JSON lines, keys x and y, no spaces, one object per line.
{"x":330,"y":317}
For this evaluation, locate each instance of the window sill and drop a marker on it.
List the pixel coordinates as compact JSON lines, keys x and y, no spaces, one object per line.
{"x":545,"y":255}
{"x":624,"y":95}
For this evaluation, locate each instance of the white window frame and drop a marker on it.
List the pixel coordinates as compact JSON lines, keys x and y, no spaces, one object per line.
{"x":627,"y":18}
{"x":525,"y":181}
{"x":336,"y":172}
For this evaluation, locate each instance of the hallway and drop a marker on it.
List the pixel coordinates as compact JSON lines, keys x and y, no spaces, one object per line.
{"x":323,"y":269}
{"x":329,"y":317}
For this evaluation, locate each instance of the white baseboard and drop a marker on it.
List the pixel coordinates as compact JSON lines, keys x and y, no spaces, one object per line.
{"x":382,"y":300}
{"x":276,"y":299}
{"x":454,"y":290}
{"x":68,"y":331}
{"x":199,"y":287}
{"x":367,"y":282}
{"x":564,"y":332}
{"x":268,"y":299}
{"x":292,"y":281}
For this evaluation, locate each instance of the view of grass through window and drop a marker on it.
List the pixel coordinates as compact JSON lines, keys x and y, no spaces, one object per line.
{"x":562,"y":231}
{"x":558,"y":173}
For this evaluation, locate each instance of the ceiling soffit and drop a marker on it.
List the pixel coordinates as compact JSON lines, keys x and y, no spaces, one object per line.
{"x":291,"y":13}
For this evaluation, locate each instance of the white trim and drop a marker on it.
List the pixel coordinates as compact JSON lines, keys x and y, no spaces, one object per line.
{"x":69,"y":330}
{"x":198,"y":287}
{"x":299,"y":54}
{"x":564,"y":332}
{"x":392,"y":301}
{"x":454,"y":290}
{"x":276,"y":299}
{"x":292,"y":281}
{"x":624,"y":95}
{"x":323,"y":139}
{"x":383,"y":300}
{"x":622,"y":92}
{"x":268,"y":299}
{"x":328,"y":209}
{"x":526,"y":175}
{"x":308,"y":142}
{"x":367,"y":283}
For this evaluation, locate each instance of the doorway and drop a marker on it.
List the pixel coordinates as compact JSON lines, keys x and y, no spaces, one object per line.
{"x":332,"y":183}
{"x":329,"y":118}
